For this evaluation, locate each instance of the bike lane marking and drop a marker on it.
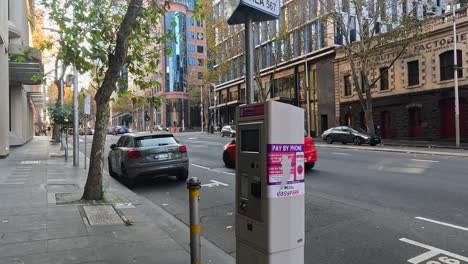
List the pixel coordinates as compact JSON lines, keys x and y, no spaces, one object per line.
{"x":442,"y":223}
{"x":434,"y":255}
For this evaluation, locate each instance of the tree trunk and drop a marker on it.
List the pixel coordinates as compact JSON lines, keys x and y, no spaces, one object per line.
{"x":93,"y":187}
{"x":370,"y":117}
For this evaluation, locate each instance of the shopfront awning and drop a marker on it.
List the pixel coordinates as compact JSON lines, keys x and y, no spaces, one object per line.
{"x":25,"y":65}
{"x":37,"y":99}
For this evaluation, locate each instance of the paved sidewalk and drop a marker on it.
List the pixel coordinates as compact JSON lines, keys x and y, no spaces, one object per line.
{"x":38,"y":225}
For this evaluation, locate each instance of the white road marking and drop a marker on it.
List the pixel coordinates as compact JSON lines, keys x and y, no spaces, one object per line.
{"x":200,"y":166}
{"x":340,"y":153}
{"x":81,"y":140}
{"x":230,"y":173}
{"x":215,"y":183}
{"x":422,"y":160}
{"x":228,"y":227}
{"x":442,"y":223}
{"x":427,"y":255}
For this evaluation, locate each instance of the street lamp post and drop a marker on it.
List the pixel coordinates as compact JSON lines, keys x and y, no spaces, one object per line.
{"x":455,"y":77}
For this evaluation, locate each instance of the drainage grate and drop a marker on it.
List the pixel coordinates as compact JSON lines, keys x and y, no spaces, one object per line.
{"x":102,"y":215}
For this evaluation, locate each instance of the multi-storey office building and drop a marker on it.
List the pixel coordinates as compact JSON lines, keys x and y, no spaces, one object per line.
{"x":294,"y":55}
{"x":181,"y":71}
{"x":21,"y":95}
{"x":183,"y":68}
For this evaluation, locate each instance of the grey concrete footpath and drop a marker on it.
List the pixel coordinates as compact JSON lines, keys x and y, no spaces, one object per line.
{"x":399,"y":149}
{"x":43,"y":221}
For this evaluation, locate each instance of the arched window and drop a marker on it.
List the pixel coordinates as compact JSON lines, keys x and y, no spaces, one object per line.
{"x":446,"y":65}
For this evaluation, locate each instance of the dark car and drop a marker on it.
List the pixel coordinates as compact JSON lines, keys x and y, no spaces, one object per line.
{"x":89,"y":131}
{"x":148,"y":155}
{"x":310,"y":153}
{"x":345,"y":134}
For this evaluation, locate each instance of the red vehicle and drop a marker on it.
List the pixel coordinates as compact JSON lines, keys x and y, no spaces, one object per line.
{"x":310,"y":153}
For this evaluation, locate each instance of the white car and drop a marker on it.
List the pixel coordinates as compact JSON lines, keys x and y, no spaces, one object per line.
{"x":228,"y":131}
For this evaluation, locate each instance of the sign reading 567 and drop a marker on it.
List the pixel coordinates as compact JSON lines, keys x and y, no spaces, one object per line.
{"x":271,"y":7}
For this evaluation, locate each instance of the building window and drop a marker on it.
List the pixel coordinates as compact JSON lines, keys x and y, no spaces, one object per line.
{"x":200,"y":75}
{"x":200,"y":36}
{"x":191,"y":21}
{"x":191,"y":35}
{"x":200,"y":49}
{"x":347,"y":85}
{"x":352,"y":29}
{"x":363,"y":84}
{"x":377,"y":28}
{"x":413,"y":73}
{"x":446,"y":65}
{"x":191,"y":61}
{"x":384,"y":79}
{"x":199,"y":23}
{"x":191,"y":48}
{"x":200,"y":62}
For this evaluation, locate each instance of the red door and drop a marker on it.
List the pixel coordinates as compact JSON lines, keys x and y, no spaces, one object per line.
{"x":414,"y":115}
{"x":447,"y":118}
{"x":386,"y":124}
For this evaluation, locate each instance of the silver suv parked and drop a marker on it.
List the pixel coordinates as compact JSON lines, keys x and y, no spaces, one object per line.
{"x":148,"y":155}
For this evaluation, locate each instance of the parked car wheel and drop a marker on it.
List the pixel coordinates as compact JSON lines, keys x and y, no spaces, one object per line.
{"x":183,"y":176}
{"x":129,"y":182}
{"x":357,"y":141}
{"x":309,"y":165}
{"x":228,"y":162}
{"x":111,"y":172}
{"x":372,"y":144}
{"x":329,"y":140}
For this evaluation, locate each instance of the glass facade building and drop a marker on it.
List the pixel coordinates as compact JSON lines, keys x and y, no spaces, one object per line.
{"x":176,"y":62}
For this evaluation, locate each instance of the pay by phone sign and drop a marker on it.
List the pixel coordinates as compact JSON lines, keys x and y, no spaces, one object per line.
{"x":285,"y":170}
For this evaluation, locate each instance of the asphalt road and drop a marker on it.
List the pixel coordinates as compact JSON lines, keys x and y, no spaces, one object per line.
{"x":361,"y":206}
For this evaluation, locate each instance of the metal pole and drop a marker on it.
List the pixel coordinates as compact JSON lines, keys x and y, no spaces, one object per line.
{"x":201,"y":107}
{"x":215,"y":112}
{"x":85,"y":140}
{"x":194,"y":185}
{"x":183,"y":112}
{"x":307,"y":95}
{"x":61,"y":108}
{"x":66,"y":145}
{"x":249,"y":63}
{"x":76,"y":153}
{"x":455,"y":77}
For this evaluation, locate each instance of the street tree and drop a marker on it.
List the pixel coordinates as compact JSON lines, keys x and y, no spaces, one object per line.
{"x":369,"y":29}
{"x":101,"y":36}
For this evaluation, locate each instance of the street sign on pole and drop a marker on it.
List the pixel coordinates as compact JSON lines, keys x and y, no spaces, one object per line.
{"x":87,"y":105}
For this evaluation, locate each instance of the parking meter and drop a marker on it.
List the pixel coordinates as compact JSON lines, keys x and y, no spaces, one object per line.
{"x":270,"y":184}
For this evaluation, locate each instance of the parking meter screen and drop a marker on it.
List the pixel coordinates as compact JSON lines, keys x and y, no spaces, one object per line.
{"x":250,"y":140}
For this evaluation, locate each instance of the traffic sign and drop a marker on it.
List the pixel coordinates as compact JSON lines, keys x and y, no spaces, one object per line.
{"x":87,"y":105}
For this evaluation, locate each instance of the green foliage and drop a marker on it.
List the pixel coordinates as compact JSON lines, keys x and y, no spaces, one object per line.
{"x":88,"y":34}
{"x":61,"y":115}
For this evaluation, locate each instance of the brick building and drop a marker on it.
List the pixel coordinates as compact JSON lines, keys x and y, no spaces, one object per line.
{"x":415,"y":99}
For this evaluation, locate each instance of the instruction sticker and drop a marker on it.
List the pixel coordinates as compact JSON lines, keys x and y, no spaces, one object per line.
{"x":285,"y":170}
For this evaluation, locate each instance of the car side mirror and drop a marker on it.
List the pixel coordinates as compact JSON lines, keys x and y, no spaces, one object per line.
{"x":113,"y":146}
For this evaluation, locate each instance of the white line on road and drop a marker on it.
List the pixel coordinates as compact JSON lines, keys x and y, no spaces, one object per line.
{"x":340,"y":153}
{"x":423,"y":160}
{"x":419,"y":258}
{"x":200,"y":166}
{"x":442,"y":223}
{"x":230,"y":173}
{"x":215,"y":183}
{"x":81,"y":140}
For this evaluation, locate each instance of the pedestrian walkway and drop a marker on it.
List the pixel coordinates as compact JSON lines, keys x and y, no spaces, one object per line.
{"x":42,"y":221}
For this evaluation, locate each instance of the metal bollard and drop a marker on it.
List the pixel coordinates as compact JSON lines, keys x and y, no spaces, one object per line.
{"x":194,"y":185}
